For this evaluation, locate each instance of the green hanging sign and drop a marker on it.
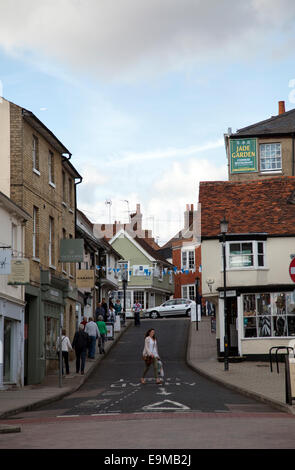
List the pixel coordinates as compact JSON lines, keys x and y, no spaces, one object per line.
{"x":243,"y":155}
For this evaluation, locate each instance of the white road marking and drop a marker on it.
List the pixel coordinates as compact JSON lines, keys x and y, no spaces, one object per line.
{"x":166,"y":405}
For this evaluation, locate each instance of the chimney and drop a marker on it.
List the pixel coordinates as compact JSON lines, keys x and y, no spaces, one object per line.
{"x":188,"y":215}
{"x":281,"y":107}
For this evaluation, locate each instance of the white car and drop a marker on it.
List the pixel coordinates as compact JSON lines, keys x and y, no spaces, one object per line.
{"x":171,"y":307}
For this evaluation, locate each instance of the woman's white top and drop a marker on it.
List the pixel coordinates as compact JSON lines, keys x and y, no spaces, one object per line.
{"x":150,"y":347}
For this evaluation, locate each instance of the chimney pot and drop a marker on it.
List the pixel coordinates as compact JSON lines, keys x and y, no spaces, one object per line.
{"x":281,"y":107}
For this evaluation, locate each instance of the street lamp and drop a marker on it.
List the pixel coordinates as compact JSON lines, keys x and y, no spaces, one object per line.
{"x":124,"y":282}
{"x":224,"y":229}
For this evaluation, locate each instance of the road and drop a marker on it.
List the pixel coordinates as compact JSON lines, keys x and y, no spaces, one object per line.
{"x":113,"y":410}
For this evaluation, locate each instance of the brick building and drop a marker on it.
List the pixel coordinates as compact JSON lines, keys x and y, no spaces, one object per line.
{"x":262,"y":150}
{"x":186,"y":256}
{"x":40,"y":178}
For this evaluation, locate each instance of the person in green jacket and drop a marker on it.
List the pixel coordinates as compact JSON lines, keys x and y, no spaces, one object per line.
{"x":103,"y":333}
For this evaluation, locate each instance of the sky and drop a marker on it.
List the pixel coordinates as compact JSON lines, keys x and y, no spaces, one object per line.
{"x":142,"y":91}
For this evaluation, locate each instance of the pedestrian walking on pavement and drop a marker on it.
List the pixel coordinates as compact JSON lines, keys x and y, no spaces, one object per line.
{"x":80,"y":343}
{"x":92,"y":330}
{"x":99,"y":311}
{"x":105,"y":307}
{"x":118,"y":307}
{"x":137,"y":308}
{"x":65,"y":347}
{"x":150,"y":355}
{"x":84,"y":321}
{"x":103,"y":334}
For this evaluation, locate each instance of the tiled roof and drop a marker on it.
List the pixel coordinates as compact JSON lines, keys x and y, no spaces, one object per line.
{"x":266,"y":206}
{"x":154,"y":253}
{"x":280,"y":124}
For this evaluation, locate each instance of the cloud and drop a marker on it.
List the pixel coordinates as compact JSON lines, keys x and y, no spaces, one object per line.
{"x":171,"y":152}
{"x":115,"y":37}
{"x":177,"y":187}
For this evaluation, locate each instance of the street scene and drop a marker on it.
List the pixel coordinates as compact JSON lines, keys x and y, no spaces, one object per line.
{"x":147,"y":227}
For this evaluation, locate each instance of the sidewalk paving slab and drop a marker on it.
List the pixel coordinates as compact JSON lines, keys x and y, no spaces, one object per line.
{"x":30,"y":397}
{"x":251,"y":378}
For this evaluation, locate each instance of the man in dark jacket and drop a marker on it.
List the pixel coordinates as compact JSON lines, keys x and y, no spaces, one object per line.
{"x":99,"y":311}
{"x":80,"y":344}
{"x":106,"y":309}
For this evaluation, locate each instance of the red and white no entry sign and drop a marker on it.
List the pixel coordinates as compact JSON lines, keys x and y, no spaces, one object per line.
{"x":292,"y":270}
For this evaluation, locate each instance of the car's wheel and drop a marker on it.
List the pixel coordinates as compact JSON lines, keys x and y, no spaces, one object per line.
{"x":188,"y":312}
{"x":154,"y":314}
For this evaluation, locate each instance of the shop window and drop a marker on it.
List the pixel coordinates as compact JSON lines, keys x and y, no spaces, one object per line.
{"x":269,"y":315}
{"x":138,"y":296}
{"x":51,"y":334}
{"x":120,"y":295}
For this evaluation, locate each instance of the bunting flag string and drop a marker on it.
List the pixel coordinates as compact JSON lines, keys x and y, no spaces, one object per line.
{"x":148,"y":272}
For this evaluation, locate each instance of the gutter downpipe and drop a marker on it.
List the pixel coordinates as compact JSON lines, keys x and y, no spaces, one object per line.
{"x":293,"y":154}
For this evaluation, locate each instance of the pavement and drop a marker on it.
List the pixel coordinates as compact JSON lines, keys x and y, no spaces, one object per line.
{"x":253,"y":379}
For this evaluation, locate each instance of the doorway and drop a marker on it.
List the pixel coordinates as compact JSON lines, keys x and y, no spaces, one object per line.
{"x":232,"y":313}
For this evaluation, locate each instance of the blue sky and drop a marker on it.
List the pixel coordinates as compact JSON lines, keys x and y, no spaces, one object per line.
{"x":142,"y":92}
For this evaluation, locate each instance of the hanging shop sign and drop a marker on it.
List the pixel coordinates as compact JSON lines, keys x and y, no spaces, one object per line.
{"x":20,"y":272}
{"x":85,"y":278}
{"x":243,"y":155}
{"x":71,"y":250}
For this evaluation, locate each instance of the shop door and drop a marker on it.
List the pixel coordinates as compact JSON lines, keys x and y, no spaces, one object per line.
{"x":231,"y":304}
{"x":8,"y":331}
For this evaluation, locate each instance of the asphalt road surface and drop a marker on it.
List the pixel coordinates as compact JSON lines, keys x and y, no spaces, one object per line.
{"x":114,"y":410}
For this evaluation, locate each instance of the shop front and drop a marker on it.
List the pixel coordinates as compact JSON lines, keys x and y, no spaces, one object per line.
{"x":259,"y":317}
{"x":11,"y":343}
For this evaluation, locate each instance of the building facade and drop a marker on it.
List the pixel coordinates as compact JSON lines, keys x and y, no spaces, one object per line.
{"x":262,"y":150}
{"x":12,"y":294}
{"x":101,"y":259}
{"x":150,"y":276}
{"x":259,"y":246}
{"x":41,"y":179}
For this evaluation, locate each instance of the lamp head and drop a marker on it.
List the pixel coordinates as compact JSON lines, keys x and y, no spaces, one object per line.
{"x":224,"y":225}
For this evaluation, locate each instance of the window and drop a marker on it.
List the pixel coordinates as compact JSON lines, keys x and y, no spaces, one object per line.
{"x":35,"y":153}
{"x":269,"y":315}
{"x":35,"y":232}
{"x":246,"y":255}
{"x":71,"y":265}
{"x":140,"y":270}
{"x":51,"y":335}
{"x":14,"y":240}
{"x":51,"y":167}
{"x":120,"y":295}
{"x":70,"y":193}
{"x":138,"y":296}
{"x":270,"y":157}
{"x":64,"y":265}
{"x":122,"y":265}
{"x":64,"y":187}
{"x":188,"y":259}
{"x":188,"y":292}
{"x":51,"y":242}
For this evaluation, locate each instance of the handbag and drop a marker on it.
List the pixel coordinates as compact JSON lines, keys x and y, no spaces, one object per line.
{"x":148,"y":359}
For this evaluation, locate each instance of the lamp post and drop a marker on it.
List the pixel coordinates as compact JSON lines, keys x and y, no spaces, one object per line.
{"x":124,"y":282}
{"x":224,"y":229}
